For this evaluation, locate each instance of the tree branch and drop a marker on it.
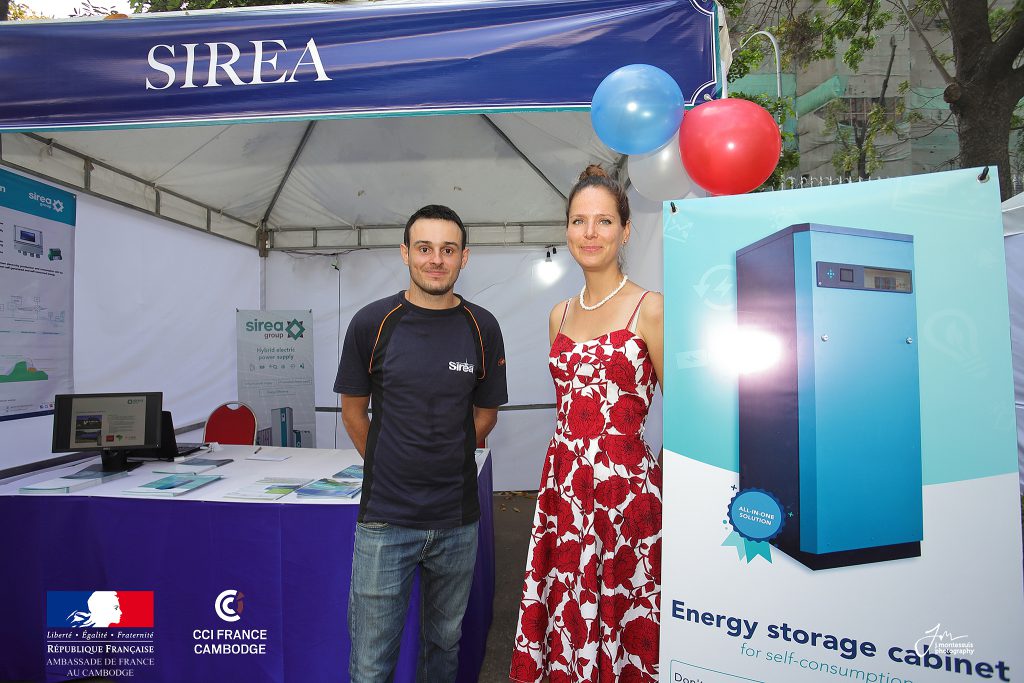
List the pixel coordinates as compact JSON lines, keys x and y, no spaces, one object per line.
{"x":888,"y":70}
{"x":935,"y":127}
{"x":1008,"y":47}
{"x":946,"y":77}
{"x":972,"y":37}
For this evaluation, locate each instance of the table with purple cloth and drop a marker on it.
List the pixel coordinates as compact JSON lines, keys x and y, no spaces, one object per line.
{"x":289,"y":561}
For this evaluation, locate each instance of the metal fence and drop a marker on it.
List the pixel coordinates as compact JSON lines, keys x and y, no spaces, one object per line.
{"x":795,"y":183}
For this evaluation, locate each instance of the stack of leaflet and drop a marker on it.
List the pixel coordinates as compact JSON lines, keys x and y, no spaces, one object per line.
{"x":173,"y":485}
{"x":350,"y":472}
{"x":345,"y":484}
{"x":196,"y":465}
{"x":268,"y":488}
{"x":76,"y":481}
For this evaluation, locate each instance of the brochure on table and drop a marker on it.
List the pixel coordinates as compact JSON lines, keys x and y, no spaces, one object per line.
{"x":840,"y":491}
{"x":241,"y":480}
{"x":172,"y":485}
{"x":268,"y":488}
{"x":87,"y":477}
{"x":330,"y":488}
{"x":196,"y":465}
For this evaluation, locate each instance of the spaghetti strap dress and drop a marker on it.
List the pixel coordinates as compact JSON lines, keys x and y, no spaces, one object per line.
{"x":591,"y":595}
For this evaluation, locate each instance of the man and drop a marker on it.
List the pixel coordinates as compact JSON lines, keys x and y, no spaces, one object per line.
{"x":434,"y":367}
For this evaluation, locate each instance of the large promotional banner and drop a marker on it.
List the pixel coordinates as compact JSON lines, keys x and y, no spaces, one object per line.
{"x":275,"y":375}
{"x":840,"y":476}
{"x":307,"y":61}
{"x":36,"y":292}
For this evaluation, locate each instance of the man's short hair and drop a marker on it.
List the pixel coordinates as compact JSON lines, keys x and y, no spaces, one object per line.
{"x":438,"y":212}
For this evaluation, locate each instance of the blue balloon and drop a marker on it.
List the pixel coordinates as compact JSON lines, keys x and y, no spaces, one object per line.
{"x":636,"y":109}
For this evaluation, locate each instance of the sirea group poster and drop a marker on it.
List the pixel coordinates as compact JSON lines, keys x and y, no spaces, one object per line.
{"x":275,"y":375}
{"x":37,"y":241}
{"x":841,"y":488}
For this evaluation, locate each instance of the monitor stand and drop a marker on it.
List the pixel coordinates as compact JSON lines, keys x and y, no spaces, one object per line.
{"x":116,"y":461}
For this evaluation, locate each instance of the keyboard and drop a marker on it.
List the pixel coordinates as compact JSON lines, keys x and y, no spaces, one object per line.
{"x":187,"y":448}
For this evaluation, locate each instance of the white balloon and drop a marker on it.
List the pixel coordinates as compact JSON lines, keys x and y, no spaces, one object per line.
{"x":660,"y":175}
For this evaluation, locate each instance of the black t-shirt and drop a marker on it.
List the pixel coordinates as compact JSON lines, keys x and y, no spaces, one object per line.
{"x":424,"y":370}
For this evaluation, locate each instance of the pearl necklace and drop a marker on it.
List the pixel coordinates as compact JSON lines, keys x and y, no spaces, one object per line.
{"x":605,"y":300}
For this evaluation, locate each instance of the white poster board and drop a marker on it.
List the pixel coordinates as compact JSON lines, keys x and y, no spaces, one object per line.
{"x":827,"y":516}
{"x":36,"y":293}
{"x":275,"y":375}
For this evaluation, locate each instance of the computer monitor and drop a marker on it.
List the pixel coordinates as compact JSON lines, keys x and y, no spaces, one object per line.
{"x":111,"y":424}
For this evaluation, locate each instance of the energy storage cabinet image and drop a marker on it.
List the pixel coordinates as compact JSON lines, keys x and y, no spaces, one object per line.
{"x":282,"y":431}
{"x":833,"y":429}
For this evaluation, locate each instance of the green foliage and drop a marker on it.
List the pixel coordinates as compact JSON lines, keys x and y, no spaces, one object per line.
{"x":88,"y":9}
{"x":20,"y":12}
{"x":746,"y":59}
{"x":857,"y":152}
{"x":812,"y":30}
{"x":807,"y":35}
{"x":781,"y":109}
{"x":1000,"y":19}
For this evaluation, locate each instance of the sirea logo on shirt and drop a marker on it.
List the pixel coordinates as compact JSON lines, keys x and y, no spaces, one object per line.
{"x":460,"y":366}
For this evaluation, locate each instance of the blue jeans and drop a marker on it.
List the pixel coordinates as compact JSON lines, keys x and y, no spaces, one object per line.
{"x":383,"y":561}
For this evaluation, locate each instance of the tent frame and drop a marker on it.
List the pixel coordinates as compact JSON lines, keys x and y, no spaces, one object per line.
{"x":265,"y":236}
{"x":85,"y":185}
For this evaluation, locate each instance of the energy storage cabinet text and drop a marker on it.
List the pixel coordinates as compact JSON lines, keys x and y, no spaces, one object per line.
{"x":832,"y":430}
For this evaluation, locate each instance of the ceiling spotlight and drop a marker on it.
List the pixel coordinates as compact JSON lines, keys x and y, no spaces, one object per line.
{"x":554,"y":250}
{"x":548,"y":257}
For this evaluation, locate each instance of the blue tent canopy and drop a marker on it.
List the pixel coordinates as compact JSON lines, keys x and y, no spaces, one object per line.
{"x":305,"y":127}
{"x":324,"y":61}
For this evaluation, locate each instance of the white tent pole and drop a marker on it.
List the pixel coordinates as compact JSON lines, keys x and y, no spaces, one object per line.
{"x":263,"y":284}
{"x":288,"y":172}
{"x":500,"y":133}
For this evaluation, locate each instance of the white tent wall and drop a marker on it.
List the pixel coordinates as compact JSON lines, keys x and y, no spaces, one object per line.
{"x":127,"y":258}
{"x":645,"y":265}
{"x":154,"y":311}
{"x":515,"y":283}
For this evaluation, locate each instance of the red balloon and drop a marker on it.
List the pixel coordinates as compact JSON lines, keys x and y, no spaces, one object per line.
{"x":729,"y":146}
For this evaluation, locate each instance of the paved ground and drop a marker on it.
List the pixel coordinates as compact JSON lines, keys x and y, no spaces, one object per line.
{"x":513,"y":519}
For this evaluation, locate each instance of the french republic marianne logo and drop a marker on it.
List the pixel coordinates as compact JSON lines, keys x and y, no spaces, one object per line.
{"x":99,"y":609}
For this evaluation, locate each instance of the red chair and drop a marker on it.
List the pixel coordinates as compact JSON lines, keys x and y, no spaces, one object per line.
{"x":231,"y":423}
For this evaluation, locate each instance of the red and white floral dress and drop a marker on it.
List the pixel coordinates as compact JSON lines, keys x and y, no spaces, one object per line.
{"x":590,"y":609}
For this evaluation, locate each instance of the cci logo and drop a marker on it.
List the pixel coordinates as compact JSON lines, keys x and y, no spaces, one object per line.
{"x":229,"y":605}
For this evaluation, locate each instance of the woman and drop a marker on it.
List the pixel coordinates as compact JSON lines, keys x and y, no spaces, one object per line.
{"x":590,"y":608}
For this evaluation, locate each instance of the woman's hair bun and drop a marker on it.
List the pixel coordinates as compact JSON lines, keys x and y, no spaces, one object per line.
{"x":595,"y":176}
{"x":593,"y":171}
